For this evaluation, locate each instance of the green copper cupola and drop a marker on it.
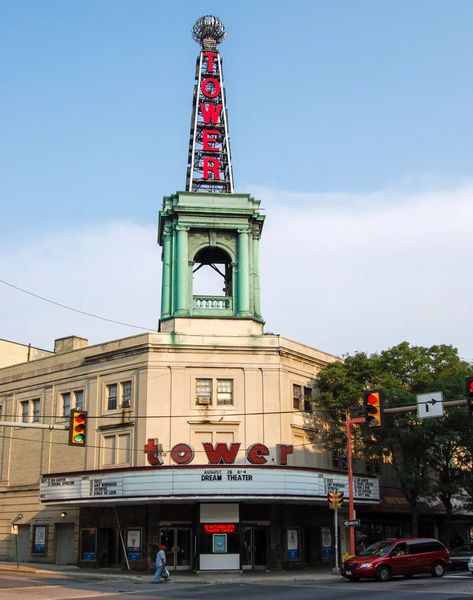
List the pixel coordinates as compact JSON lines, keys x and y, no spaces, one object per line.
{"x":208,"y":228}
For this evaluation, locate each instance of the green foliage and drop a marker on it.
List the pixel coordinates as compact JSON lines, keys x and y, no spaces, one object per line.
{"x":430,"y":455}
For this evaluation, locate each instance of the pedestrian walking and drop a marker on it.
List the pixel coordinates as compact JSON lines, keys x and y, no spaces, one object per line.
{"x":161,"y":571}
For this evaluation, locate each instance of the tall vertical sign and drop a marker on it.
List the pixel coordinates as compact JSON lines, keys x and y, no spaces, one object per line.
{"x":209,"y":167}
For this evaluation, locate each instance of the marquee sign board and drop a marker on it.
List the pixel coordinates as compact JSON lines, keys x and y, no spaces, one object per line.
{"x":171,"y":482}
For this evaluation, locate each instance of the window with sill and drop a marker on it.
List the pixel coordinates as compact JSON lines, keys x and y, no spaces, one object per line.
{"x":116,"y":449}
{"x":30,"y":410}
{"x":301,"y":398}
{"x":225,"y":392}
{"x":339,"y":461}
{"x":203,"y":391}
{"x":206,"y":389}
{"x":373,"y":466}
{"x":119,"y":395}
{"x":72,"y":400}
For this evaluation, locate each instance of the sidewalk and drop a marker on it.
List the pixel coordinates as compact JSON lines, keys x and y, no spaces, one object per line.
{"x":309,"y":574}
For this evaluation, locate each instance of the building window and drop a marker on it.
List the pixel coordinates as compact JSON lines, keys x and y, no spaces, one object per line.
{"x":36,"y":405}
{"x":296,"y":396}
{"x":1,"y":412}
{"x":339,"y":461}
{"x":66,"y":405}
{"x":203,"y":391}
{"x":79,"y":399}
{"x":119,"y":395}
{"x":25,"y":411}
{"x":373,"y":466}
{"x":116,"y":449}
{"x":308,"y":399}
{"x":72,"y":400}
{"x":225,"y":391}
{"x":112,"y":396}
{"x":126,"y":394}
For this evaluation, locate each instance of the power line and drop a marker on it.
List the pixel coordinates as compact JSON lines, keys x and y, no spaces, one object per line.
{"x":134,"y":449}
{"x":77,"y":310}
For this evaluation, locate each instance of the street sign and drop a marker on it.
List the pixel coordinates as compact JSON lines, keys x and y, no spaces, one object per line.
{"x":430,"y":405}
{"x":352,"y":523}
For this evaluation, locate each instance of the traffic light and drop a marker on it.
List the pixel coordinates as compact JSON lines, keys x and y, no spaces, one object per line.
{"x":335,"y":500}
{"x":469,"y":394}
{"x":78,"y":428}
{"x":373,"y":402}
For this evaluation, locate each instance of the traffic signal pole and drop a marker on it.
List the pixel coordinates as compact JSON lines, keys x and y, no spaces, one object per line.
{"x":362,"y":420}
{"x":351,"y":502}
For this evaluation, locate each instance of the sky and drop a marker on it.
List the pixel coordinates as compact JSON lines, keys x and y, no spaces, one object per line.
{"x":350,"y":120}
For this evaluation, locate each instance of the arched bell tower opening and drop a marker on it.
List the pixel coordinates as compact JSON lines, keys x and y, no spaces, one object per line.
{"x":212,"y":273}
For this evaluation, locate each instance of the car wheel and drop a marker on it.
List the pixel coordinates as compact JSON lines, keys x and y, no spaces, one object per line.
{"x":438,"y":570}
{"x":383,"y":573}
{"x":354,"y":578}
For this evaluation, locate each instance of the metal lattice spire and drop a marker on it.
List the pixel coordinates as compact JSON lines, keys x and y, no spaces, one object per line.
{"x":209,"y":167}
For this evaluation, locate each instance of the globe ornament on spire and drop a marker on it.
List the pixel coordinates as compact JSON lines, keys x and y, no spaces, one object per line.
{"x":209,"y":167}
{"x":208,"y":31}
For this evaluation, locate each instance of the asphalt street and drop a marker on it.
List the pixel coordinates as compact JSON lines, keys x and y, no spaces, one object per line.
{"x":458,"y":586}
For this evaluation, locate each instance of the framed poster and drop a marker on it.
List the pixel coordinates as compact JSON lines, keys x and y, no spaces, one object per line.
{"x":219,"y":543}
{"x":133,"y":539}
{"x":133,"y":544}
{"x":293,"y":544}
{"x":39,"y":539}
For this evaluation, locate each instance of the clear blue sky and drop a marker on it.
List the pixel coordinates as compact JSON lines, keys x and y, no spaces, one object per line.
{"x":325,"y":97}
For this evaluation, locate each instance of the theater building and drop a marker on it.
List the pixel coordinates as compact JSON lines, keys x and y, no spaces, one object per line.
{"x":202,"y":435}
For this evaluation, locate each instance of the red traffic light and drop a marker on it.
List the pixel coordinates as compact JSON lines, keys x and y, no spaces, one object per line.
{"x":373,"y":408}
{"x":78,"y":428}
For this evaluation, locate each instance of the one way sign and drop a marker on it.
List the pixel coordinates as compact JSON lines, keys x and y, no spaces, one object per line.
{"x":430,"y":405}
{"x":352,"y":523}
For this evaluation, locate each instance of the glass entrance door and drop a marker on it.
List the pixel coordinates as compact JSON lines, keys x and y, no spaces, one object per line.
{"x":178,"y":541}
{"x":254,"y":554}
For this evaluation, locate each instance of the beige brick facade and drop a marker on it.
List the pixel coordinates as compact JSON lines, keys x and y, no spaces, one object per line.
{"x":145,"y":387}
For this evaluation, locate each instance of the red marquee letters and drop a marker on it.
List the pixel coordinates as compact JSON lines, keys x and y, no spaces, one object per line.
{"x":218,"y":454}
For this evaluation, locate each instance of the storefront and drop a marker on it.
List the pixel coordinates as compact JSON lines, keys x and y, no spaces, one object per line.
{"x":209,"y":518}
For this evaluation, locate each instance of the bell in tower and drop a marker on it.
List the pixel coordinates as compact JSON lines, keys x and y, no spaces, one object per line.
{"x":209,"y":227}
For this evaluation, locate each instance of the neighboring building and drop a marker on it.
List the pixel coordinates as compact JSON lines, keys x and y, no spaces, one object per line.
{"x":199,"y":436}
{"x":12,"y":353}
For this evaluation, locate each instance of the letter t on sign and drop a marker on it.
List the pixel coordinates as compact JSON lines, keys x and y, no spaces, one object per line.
{"x":154,"y":452}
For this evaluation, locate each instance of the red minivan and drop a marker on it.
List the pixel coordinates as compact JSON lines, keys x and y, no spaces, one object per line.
{"x":404,"y":556}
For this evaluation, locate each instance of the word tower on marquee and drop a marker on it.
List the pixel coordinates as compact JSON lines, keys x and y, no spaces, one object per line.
{"x":209,"y":166}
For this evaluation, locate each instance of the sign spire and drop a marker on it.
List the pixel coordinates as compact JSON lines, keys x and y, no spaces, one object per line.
{"x":209,"y":167}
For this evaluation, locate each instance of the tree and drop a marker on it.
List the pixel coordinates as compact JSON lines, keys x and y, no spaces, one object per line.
{"x":419,"y":450}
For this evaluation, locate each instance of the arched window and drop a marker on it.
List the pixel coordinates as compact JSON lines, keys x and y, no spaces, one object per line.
{"x":212,"y":272}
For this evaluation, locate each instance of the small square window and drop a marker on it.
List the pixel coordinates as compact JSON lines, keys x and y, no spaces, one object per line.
{"x":112,"y":396}
{"x":225,"y":391}
{"x":296,"y":396}
{"x":126,"y":394}
{"x":36,"y":410}
{"x":203,"y":391}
